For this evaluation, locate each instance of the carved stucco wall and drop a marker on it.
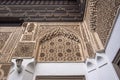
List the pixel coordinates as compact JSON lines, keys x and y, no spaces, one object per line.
{"x":9,"y":36}
{"x":24,"y":49}
{"x":3,"y":38}
{"x":60,"y":46}
{"x":37,"y":38}
{"x":106,"y":12}
{"x":60,"y":49}
{"x":59,"y":42}
{"x":100,"y":15}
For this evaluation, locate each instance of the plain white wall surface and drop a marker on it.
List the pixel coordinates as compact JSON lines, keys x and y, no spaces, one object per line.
{"x":114,"y":41}
{"x":14,"y":75}
{"x":106,"y":73}
{"x":92,"y":75}
{"x":60,"y":69}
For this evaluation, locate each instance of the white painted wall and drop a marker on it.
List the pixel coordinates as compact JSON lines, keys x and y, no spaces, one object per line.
{"x":106,"y":73}
{"x":101,"y":69}
{"x":92,"y":75}
{"x":91,"y":69}
{"x":14,"y":75}
{"x":60,"y":69}
{"x":114,"y":42}
{"x":105,"y":68}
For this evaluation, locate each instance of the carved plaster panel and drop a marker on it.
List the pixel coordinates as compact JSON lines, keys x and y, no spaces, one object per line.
{"x":100,"y":17}
{"x":60,"y":49}
{"x":24,"y":49}
{"x":3,"y":38}
{"x":9,"y":36}
{"x":59,"y":42}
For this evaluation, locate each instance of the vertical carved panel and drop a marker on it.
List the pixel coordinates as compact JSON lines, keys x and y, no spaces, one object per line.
{"x":9,"y":36}
{"x":3,"y":38}
{"x":90,"y":50}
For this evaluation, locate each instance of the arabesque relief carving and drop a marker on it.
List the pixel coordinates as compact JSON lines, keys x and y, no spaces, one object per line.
{"x":59,"y":32}
{"x":60,"y":45}
{"x":60,"y":49}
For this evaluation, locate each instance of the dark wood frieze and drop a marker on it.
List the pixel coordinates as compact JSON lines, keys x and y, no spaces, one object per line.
{"x":43,"y":10}
{"x":38,"y":2}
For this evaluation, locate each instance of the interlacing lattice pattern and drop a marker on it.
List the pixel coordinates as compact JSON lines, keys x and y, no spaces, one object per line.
{"x":60,"y":49}
{"x":59,"y":43}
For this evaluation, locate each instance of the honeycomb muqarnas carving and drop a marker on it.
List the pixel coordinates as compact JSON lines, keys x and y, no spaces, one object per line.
{"x":24,"y":49}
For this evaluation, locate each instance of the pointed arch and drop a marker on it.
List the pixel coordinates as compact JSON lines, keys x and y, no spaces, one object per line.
{"x":59,"y":32}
